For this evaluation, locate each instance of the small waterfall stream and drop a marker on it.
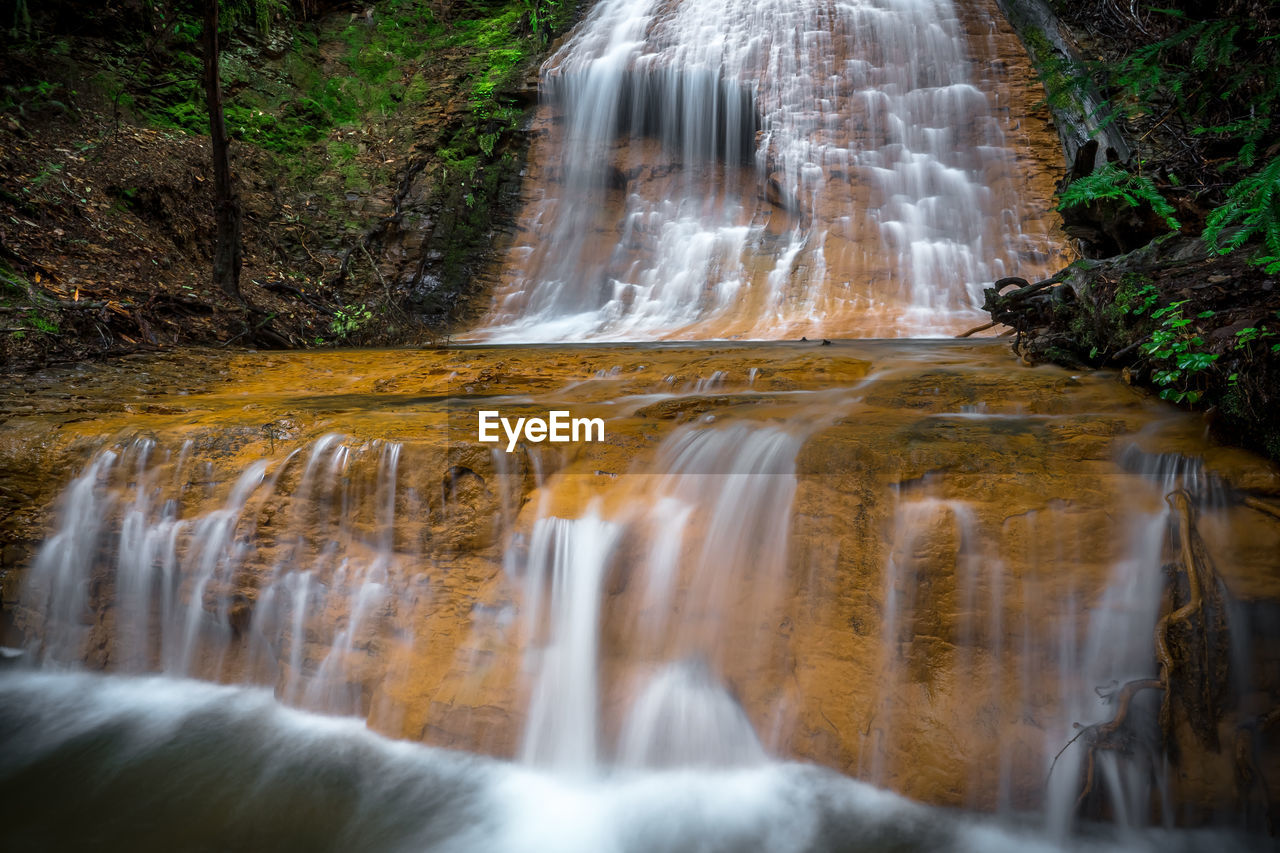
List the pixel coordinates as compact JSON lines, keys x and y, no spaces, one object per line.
{"x":712,"y":522}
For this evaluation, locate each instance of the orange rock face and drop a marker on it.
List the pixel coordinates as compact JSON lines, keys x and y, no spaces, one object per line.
{"x":891,"y":556}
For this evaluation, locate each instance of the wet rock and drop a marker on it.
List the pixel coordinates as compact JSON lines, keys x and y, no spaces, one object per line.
{"x":945,"y":518}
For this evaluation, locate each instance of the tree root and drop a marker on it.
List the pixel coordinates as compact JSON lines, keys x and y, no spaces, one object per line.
{"x":1191,"y":653}
{"x":1109,"y":735}
{"x":1261,"y":506}
{"x":977,"y":329}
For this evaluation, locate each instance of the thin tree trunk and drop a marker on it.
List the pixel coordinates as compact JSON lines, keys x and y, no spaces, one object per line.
{"x":226,"y":249}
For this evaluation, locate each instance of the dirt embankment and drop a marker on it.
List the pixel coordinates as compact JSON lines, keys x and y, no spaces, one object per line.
{"x":376,"y":154}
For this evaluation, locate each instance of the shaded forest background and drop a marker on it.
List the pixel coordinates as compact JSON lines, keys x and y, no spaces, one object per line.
{"x":1179,"y":283}
{"x":376,"y":149}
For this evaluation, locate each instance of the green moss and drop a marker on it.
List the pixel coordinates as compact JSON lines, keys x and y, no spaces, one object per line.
{"x":417,"y":90}
{"x":341,"y":153}
{"x":1233,"y":404}
{"x":294,"y":103}
{"x":1064,"y":82}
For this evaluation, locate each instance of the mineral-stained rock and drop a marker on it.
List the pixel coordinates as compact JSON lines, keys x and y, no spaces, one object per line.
{"x":955,"y":520}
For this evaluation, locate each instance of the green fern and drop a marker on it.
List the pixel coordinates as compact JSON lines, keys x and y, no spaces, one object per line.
{"x":1113,"y":182}
{"x":1200,"y":71}
{"x":1253,"y":207}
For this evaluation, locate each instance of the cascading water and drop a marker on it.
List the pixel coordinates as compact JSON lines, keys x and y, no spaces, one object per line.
{"x":716,"y":518}
{"x":1115,"y":648}
{"x":750,"y":570}
{"x":1112,"y":644}
{"x":175,"y":604}
{"x":912,"y":563}
{"x":570,"y":557}
{"x":770,"y":169}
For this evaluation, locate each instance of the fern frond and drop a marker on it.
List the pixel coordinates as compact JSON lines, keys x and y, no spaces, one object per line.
{"x":1113,"y":182}
{"x":1253,"y":208}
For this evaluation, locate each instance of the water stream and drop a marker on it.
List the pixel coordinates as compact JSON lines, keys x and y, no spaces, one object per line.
{"x":798,"y":584}
{"x":766,"y":169}
{"x":161,"y":764}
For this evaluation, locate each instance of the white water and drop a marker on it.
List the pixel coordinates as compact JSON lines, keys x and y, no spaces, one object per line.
{"x":861,"y":121}
{"x":1021,"y":615}
{"x":181,"y":765}
{"x":175,"y":576}
{"x":715,"y":523}
{"x":1115,"y":649}
{"x":570,"y":557}
{"x":184,"y":602}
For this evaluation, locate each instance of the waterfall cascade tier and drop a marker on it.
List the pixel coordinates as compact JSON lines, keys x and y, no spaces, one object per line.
{"x":773,"y":168}
{"x":749,"y":566}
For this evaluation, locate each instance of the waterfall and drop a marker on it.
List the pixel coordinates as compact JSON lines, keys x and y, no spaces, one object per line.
{"x":705,"y":487}
{"x":571,"y":557}
{"x":786,"y":550}
{"x":186,"y":592}
{"x":912,"y":563}
{"x":293,"y":579}
{"x":762,"y":169}
{"x":685,"y":718}
{"x":1117,"y":648}
{"x":202,"y":765}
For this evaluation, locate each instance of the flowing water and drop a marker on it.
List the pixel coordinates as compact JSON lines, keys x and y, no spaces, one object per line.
{"x":905,"y":561}
{"x":161,"y":764}
{"x":768,"y":168}
{"x":914,"y":563}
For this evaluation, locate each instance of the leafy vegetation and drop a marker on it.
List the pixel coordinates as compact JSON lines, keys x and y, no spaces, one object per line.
{"x":349,"y":320}
{"x":1136,"y":295}
{"x":352,"y":121}
{"x":1202,"y":91}
{"x":23,"y":296}
{"x":1219,"y":75}
{"x":1112,"y":182}
{"x":157,"y":72}
{"x":1178,"y":351}
{"x":1252,"y":207}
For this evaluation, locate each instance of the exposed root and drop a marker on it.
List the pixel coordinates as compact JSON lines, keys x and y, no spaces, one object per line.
{"x":1110,"y":735}
{"x":977,"y":329}
{"x":1262,"y":506}
{"x":1090,"y":761}
{"x":1192,"y":642}
{"x":1191,"y":653}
